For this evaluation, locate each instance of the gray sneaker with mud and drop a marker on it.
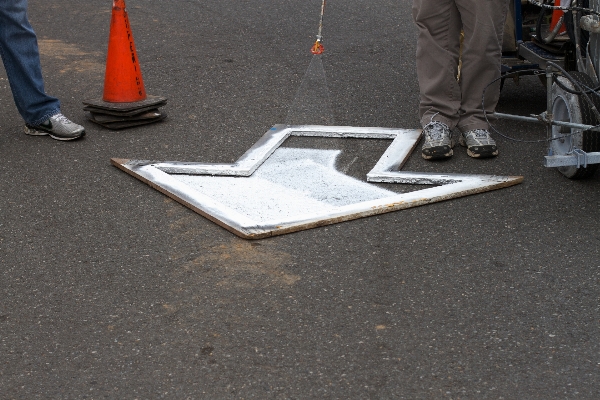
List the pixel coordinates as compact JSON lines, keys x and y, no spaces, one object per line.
{"x":479,"y":143}
{"x":438,"y":141}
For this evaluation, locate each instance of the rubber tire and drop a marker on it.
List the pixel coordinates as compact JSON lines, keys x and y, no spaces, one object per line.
{"x":573,"y":108}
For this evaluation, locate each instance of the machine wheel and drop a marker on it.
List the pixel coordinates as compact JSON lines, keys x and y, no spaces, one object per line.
{"x":569,"y":107}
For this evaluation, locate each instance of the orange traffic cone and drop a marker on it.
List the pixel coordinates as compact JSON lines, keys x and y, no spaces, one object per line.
{"x":556,"y":15}
{"x":124,"y":103}
{"x":123,"y":81}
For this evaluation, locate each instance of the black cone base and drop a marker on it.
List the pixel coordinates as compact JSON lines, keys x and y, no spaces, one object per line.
{"x":125,"y":115}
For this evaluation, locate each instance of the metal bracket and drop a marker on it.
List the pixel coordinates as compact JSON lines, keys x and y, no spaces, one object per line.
{"x":581,"y":155}
{"x":577,"y":158}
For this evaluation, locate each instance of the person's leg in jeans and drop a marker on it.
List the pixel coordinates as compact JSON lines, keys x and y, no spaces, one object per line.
{"x":19,"y":50}
{"x":20,"y":55}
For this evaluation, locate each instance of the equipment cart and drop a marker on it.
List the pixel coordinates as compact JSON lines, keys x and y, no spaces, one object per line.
{"x":559,"y":40}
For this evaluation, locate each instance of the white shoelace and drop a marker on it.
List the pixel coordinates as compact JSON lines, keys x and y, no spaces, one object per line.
{"x":61,"y":118}
{"x":436,"y":130}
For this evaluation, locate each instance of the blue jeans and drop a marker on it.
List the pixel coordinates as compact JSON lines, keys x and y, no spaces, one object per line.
{"x":21,"y":58}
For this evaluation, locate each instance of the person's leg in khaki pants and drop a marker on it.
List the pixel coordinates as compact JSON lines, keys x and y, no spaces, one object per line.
{"x":443,"y":98}
{"x":483,"y":24}
{"x":438,"y":43}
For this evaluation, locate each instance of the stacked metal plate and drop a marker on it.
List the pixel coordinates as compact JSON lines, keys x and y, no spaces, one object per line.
{"x":125,"y":115}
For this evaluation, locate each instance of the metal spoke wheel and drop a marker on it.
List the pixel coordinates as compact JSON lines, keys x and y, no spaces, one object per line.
{"x":570,"y":107}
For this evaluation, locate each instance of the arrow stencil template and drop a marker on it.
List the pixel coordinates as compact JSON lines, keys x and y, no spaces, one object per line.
{"x":272,"y":191}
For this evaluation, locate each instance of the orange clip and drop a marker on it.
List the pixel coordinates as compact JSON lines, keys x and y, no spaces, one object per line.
{"x":317,"y":48}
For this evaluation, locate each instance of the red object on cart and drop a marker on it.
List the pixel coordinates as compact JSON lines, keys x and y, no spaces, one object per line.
{"x":556,"y":16}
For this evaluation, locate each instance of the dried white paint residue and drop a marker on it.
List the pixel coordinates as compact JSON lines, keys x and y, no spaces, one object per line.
{"x":291,"y":183}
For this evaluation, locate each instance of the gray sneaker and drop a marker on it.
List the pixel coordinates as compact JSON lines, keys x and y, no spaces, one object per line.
{"x":58,"y":127}
{"x":479,"y":143}
{"x":438,"y":141}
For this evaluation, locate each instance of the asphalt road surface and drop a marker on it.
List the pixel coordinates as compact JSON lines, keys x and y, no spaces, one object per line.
{"x":109,"y":289}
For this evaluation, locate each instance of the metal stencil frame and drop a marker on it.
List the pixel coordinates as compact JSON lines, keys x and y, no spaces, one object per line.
{"x":387,"y":169}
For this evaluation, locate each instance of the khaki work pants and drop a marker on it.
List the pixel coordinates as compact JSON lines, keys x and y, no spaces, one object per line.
{"x":443,"y":97}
